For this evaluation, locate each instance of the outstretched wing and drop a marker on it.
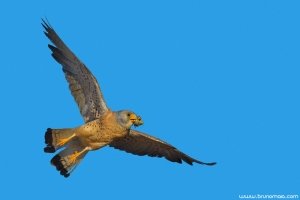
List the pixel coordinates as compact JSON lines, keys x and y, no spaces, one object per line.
{"x":142,"y":144}
{"x":83,"y":85}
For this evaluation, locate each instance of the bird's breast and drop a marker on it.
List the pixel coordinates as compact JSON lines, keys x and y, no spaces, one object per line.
{"x":100,"y":132}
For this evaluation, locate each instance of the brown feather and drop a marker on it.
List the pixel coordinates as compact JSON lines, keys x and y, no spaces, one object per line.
{"x":52,"y":137}
{"x":83,"y":85}
{"x":142,"y":144}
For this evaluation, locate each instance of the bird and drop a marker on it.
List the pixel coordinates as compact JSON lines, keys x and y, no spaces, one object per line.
{"x":102,"y":127}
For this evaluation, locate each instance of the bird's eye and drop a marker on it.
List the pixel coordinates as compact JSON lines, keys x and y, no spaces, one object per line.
{"x":128,"y":114}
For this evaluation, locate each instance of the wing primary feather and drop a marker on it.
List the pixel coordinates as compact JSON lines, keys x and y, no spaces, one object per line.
{"x":186,"y":159}
{"x":141,"y":144}
{"x":91,"y":102}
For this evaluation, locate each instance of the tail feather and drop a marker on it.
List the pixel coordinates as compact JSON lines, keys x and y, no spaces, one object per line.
{"x":52,"y":136}
{"x":61,"y":160}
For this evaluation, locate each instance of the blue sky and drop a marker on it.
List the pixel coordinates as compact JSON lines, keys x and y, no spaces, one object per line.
{"x":219,"y":80}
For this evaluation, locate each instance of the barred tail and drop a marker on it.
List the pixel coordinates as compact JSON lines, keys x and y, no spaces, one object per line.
{"x":52,"y":137}
{"x":62,"y":163}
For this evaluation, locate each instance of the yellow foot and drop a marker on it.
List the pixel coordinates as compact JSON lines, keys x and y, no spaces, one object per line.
{"x":62,"y":142}
{"x":73,"y":157}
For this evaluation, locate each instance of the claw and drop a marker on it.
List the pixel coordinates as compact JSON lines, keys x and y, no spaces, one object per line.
{"x":73,"y":157}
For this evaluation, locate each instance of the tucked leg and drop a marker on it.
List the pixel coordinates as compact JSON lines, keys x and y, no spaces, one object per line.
{"x":62,"y":142}
{"x":73,"y":157}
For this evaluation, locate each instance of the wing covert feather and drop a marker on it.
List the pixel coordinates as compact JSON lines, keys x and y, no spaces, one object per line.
{"x":82,"y":84}
{"x":141,"y":144}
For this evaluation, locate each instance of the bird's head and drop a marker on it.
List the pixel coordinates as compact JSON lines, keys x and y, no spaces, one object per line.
{"x":128,"y":118}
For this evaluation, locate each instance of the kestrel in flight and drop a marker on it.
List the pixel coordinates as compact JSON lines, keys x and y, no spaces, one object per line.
{"x":102,"y":126}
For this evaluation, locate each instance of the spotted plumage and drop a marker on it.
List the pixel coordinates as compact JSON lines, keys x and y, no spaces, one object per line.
{"x":102,"y":126}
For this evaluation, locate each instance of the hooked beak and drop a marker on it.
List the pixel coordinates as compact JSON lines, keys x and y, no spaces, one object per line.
{"x":136,"y":120}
